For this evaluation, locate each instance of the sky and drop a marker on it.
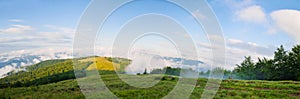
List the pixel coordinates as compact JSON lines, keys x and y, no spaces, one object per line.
{"x":250,"y":27}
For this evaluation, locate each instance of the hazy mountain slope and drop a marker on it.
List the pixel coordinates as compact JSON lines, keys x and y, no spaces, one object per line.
{"x":56,"y":70}
{"x":45,"y":63}
{"x":41,"y":75}
{"x":14,"y":62}
{"x":105,"y":63}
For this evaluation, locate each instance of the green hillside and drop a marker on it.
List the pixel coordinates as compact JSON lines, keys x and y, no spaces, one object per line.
{"x":45,"y":63}
{"x":108,"y":64}
{"x":56,"y":70}
{"x":55,"y":79}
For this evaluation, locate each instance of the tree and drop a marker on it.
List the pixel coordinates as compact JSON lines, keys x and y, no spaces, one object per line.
{"x":167,"y":70}
{"x":18,"y":84}
{"x":280,"y":64}
{"x":284,"y":66}
{"x":246,"y":69}
{"x":294,"y":62}
{"x":264,"y":69}
{"x":145,"y":72}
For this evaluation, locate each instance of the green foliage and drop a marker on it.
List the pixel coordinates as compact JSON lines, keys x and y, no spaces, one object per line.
{"x":52,"y":71}
{"x":216,"y":73}
{"x":167,"y":70}
{"x":229,"y":89}
{"x":284,"y":66}
{"x":44,"y":63}
{"x":176,"y":72}
{"x":145,"y":72}
{"x":246,"y":69}
{"x":122,"y":61}
{"x":43,"y":73}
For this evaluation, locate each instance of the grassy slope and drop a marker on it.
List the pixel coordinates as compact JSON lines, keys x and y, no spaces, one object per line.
{"x":46,"y":71}
{"x":101,"y":64}
{"x":70,"y":89}
{"x":109,"y":64}
{"x":228,"y":89}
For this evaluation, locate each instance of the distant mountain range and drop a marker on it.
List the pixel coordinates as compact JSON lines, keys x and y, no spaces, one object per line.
{"x":183,"y":61}
{"x":9,"y":63}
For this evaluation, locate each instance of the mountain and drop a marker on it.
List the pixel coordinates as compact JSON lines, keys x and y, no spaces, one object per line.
{"x":176,"y":62}
{"x":183,"y":61}
{"x":58,"y":70}
{"x":107,"y":63}
{"x":17,"y":62}
{"x":13,"y":62}
{"x":10,"y":63}
{"x":61,"y":69}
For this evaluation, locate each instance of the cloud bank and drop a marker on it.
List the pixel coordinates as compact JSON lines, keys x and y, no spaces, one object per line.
{"x":288,"y":21}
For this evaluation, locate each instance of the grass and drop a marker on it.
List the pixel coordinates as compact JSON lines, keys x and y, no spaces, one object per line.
{"x":239,"y":89}
{"x":100,"y":63}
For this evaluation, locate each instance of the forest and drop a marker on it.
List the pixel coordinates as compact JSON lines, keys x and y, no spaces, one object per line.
{"x":285,"y":65}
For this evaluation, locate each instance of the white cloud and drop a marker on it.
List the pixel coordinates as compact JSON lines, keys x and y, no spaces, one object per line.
{"x":288,"y":21}
{"x":237,"y":49}
{"x":253,"y":14}
{"x":16,"y":29}
{"x":15,"y":20}
{"x":26,"y":37}
{"x":63,"y":29}
{"x":242,"y":3}
{"x":5,"y":70}
{"x":15,"y":39}
{"x":236,"y":56}
{"x":198,"y":14}
{"x":235,"y":41}
{"x":58,"y":33}
{"x":234,"y":4}
{"x":46,"y":51}
{"x":250,"y":46}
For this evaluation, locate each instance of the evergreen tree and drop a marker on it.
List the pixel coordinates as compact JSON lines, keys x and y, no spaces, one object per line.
{"x":284,"y":66}
{"x":145,"y":72}
{"x":246,"y":69}
{"x":280,"y":64}
{"x":294,"y":62}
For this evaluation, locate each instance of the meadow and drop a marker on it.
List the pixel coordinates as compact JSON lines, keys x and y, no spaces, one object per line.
{"x":55,"y":79}
{"x":239,"y":89}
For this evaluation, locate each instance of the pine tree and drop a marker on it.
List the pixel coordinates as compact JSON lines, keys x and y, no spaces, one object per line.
{"x":145,"y":72}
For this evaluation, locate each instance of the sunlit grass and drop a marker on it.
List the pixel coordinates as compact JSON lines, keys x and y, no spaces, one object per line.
{"x":229,"y":89}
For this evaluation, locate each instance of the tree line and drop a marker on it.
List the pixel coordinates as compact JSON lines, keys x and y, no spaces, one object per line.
{"x":202,"y":74}
{"x":285,"y":65}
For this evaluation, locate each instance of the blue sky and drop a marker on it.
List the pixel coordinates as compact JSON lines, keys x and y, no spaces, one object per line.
{"x":37,"y":12}
{"x":33,"y":18}
{"x":250,"y":31}
{"x":251,"y":27}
